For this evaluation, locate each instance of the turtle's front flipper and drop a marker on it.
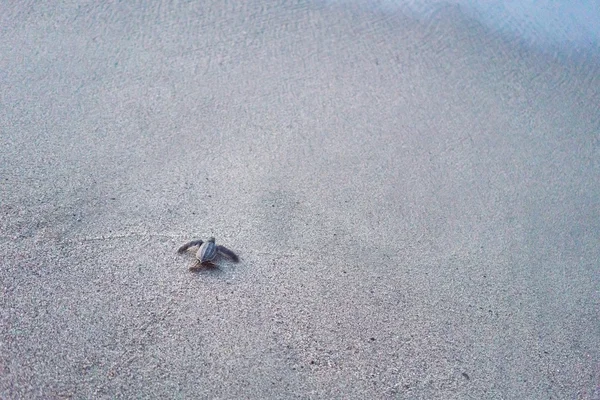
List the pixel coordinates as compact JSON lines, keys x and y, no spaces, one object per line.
{"x":228,"y":253}
{"x":186,"y":246}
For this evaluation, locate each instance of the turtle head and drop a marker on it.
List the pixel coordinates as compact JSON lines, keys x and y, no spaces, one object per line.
{"x":211,"y":239}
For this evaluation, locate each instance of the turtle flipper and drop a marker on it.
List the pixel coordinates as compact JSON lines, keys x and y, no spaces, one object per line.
{"x":228,"y":253}
{"x":196,"y":266}
{"x":186,"y":246}
{"x":200,"y":266}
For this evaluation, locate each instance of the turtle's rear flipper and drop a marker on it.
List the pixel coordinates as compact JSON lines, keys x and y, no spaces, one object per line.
{"x":199,"y":266}
{"x":186,"y":246}
{"x":228,"y":253}
{"x":196,"y":266}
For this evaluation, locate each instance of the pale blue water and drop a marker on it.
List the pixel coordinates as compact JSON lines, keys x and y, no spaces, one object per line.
{"x":565,"y":26}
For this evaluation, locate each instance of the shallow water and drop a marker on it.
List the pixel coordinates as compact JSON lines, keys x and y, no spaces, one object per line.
{"x":565,"y":27}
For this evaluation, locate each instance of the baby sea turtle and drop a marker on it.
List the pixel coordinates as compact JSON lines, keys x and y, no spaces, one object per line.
{"x":208,"y":252}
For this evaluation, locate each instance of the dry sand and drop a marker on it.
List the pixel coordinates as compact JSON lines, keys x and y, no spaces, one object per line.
{"x":416,"y":206}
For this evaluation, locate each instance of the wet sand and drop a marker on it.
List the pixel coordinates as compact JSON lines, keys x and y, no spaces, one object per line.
{"x":415,"y":205}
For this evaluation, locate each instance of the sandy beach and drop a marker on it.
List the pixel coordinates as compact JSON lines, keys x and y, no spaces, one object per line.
{"x":415,"y":205}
